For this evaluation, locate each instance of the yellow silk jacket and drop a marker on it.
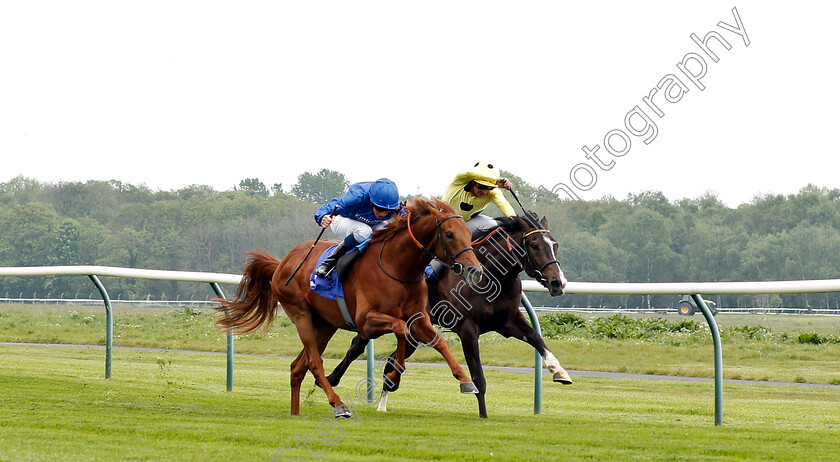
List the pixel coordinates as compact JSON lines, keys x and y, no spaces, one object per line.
{"x":468,"y":204}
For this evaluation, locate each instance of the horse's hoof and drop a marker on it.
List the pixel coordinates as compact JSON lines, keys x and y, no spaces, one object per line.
{"x":343,"y":411}
{"x":562,"y":378}
{"x":469,"y":388}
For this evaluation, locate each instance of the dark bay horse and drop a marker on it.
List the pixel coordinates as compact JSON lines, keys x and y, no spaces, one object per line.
{"x":519,"y":243}
{"x":384,"y":288}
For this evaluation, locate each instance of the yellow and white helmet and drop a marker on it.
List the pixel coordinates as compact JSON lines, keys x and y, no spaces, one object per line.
{"x":488,"y":170}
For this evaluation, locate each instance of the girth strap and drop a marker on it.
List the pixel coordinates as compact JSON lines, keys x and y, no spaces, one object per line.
{"x":345,"y":313}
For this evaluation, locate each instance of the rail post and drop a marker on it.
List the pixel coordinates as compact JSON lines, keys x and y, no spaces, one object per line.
{"x":109,"y":323}
{"x":718,"y":357}
{"x":537,"y":358}
{"x":218,"y":290}
{"x":370,"y":390}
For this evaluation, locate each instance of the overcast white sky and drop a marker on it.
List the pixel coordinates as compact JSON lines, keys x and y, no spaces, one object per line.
{"x":172,"y":93}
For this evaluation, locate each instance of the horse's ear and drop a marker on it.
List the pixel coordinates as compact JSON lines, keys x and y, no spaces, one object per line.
{"x":544,"y":222}
{"x":442,"y":206}
{"x":511,"y":224}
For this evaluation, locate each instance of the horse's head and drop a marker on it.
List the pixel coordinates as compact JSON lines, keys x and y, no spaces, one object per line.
{"x":540,"y":249}
{"x":454,"y":241}
{"x":435,"y":230}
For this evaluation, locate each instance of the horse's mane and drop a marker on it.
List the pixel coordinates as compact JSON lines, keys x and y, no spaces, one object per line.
{"x":418,"y":209}
{"x":512,"y":224}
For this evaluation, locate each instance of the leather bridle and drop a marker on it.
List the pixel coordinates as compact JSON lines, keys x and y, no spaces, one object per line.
{"x":537,"y":272}
{"x":455,"y":266}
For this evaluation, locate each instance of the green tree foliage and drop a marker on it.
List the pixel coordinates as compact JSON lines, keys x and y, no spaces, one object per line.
{"x":644,"y":237}
{"x":320,"y":187}
{"x":253,"y":186}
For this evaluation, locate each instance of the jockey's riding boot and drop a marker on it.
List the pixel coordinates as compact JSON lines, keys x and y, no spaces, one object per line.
{"x":437,"y":267}
{"x":326,"y":268}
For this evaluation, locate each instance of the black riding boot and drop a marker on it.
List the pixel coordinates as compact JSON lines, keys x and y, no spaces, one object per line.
{"x":328,"y":265}
{"x":432,"y":282}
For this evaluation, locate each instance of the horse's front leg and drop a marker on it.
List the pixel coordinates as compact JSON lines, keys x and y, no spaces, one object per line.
{"x":420,"y":330}
{"x":468,"y":334}
{"x":518,"y":328}
{"x":377,"y":324}
{"x":393,"y":382}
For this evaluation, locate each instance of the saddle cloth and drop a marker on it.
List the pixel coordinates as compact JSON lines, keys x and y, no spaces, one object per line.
{"x":329,"y":288}
{"x":333,"y":289}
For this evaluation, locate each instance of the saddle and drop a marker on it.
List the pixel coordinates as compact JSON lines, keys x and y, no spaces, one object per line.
{"x":342,"y":267}
{"x":334,"y":288}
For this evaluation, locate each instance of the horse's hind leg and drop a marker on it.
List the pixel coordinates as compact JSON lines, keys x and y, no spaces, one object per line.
{"x":391,"y":376}
{"x":518,"y":328}
{"x":357,"y":346}
{"x":314,"y":334}
{"x":298,"y":371}
{"x":300,"y":365}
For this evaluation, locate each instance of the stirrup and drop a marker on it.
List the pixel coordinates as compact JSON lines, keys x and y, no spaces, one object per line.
{"x":326,"y":270}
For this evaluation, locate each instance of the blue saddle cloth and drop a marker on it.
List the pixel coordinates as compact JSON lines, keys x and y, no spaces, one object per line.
{"x":331,"y":288}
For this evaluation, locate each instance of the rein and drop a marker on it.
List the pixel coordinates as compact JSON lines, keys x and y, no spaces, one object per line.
{"x":486,"y":238}
{"x":539,"y":275}
{"x":456,"y":267}
{"x":404,"y":281}
{"x":537,"y":271}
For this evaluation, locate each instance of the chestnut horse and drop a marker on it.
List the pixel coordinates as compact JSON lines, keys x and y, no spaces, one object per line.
{"x":519,"y":243}
{"x":383,"y":289}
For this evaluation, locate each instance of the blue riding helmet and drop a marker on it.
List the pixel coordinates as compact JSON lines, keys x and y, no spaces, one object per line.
{"x":384,"y":194}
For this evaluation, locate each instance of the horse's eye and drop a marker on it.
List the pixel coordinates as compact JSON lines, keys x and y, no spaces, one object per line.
{"x":449,"y":235}
{"x":535,"y":246}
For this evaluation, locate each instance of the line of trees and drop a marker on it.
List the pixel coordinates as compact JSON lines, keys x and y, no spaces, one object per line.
{"x":641,"y":238}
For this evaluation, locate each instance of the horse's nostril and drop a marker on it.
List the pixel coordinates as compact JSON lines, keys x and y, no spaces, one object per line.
{"x":474,"y":276}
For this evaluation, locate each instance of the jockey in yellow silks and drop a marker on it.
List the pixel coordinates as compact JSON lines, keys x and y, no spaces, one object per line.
{"x":473,"y":190}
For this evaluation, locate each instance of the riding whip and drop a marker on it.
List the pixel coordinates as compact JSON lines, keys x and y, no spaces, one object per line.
{"x":335,"y":209}
{"x":527,"y":217}
{"x":517,"y":199}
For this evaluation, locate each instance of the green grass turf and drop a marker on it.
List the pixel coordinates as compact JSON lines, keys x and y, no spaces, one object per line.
{"x":56,"y":405}
{"x":761,"y":358}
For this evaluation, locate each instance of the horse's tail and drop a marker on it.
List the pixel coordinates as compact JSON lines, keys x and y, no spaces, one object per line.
{"x":255,"y":304}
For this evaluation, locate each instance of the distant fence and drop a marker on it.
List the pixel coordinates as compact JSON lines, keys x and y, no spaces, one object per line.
{"x":152,"y":303}
{"x":95,"y":301}
{"x":695,"y":289}
{"x":93,"y":272}
{"x":669,"y":310}
{"x":675,"y":288}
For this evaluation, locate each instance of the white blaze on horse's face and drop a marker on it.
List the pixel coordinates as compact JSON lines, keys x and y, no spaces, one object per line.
{"x":552,"y":244}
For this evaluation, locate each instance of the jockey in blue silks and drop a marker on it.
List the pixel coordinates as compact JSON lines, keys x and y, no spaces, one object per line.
{"x":366,"y":207}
